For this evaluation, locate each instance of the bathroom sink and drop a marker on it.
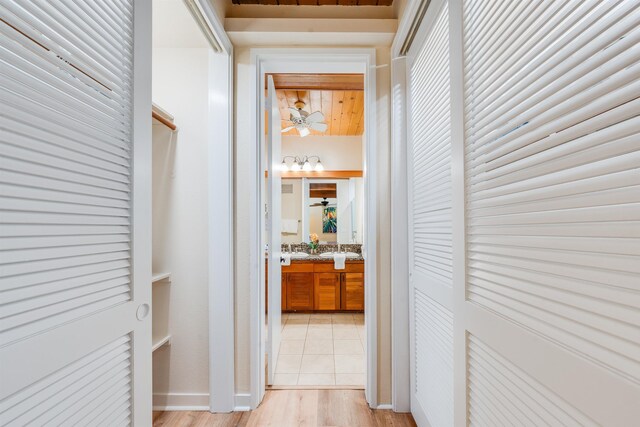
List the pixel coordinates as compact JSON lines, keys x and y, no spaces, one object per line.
{"x":299,"y":255}
{"x":331,"y":254}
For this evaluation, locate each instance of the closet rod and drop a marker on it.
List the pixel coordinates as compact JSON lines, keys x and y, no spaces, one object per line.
{"x":163,"y":120}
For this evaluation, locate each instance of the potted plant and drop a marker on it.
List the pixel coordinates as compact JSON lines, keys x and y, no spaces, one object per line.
{"x":313,"y":242}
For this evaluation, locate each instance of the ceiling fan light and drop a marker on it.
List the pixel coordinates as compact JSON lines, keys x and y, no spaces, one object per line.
{"x":295,"y":167}
{"x":319,"y":167}
{"x":307,"y":166}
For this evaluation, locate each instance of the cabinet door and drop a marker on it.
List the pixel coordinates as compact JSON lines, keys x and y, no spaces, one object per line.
{"x":300,"y":291}
{"x":327,"y":291}
{"x":283,"y":292}
{"x":352,"y":291}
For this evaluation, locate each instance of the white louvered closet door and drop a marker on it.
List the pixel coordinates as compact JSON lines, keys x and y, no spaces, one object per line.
{"x":430,"y":231}
{"x":552,"y":159}
{"x":75,"y":341}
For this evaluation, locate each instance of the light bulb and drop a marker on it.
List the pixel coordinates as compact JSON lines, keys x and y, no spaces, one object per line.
{"x":307,"y":166}
{"x":284,"y":167}
{"x":319,"y":166}
{"x":295,"y":166}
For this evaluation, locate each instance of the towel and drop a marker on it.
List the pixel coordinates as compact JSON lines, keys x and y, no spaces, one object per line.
{"x":289,"y":226}
{"x":285,"y":259}
{"x":339,"y":261}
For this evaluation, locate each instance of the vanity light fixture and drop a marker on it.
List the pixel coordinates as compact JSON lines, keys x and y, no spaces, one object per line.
{"x":303,"y":164}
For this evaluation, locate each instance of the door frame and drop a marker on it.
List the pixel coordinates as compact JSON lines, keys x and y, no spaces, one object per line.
{"x":309,"y":60}
{"x":220,"y":161}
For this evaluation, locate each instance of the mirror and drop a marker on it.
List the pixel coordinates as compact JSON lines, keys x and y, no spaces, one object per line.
{"x":331,"y":208}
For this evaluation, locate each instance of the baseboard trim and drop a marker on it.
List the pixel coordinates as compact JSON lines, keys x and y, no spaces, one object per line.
{"x":181,"y":401}
{"x":242,"y":402}
{"x":385,"y":406}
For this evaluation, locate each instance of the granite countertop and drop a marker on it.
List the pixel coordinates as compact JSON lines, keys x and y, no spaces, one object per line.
{"x":317,"y":258}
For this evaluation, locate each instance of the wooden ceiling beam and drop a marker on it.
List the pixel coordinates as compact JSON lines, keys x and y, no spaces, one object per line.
{"x":318,"y":81}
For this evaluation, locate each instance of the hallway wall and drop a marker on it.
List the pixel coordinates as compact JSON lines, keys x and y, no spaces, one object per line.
{"x":180,"y":79}
{"x":244,"y":143}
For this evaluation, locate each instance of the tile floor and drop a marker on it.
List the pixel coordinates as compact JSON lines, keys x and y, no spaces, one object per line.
{"x":321,"y":350}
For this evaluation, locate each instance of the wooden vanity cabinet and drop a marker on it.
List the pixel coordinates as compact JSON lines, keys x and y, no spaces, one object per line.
{"x":327,"y":291}
{"x":352,"y":291}
{"x":318,"y":286}
{"x":300,"y":295}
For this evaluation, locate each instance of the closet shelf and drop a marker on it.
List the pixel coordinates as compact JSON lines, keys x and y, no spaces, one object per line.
{"x":162,"y":277}
{"x":163,"y":117}
{"x":164,"y":341}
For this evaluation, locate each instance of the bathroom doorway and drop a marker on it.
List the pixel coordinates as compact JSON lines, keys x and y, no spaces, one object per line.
{"x":321,"y":236}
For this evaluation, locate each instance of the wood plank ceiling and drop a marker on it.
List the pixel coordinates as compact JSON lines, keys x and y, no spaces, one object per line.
{"x":317,"y":2}
{"x":340,"y":97}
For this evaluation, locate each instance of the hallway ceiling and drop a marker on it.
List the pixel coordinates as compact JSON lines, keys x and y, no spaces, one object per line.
{"x":317,"y":2}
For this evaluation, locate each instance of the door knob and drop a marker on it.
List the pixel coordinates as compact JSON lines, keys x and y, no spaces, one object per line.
{"x":142,"y":311}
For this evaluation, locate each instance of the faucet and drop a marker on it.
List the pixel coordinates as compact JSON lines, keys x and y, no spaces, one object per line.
{"x":289,"y":247}
{"x":338,"y":247}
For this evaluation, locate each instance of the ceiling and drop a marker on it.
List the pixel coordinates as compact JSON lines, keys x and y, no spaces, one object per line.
{"x":317,"y":2}
{"x":342,"y":109}
{"x":340,"y":97}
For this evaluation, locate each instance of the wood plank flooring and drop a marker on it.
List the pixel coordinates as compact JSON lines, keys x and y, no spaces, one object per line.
{"x":284,"y":408}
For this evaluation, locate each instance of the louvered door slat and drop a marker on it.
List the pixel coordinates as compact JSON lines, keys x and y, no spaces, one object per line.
{"x":551,"y":121}
{"x":429,"y":164}
{"x":72,"y":313}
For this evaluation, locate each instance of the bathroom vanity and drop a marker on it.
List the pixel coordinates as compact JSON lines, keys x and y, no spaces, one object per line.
{"x":314,"y":285}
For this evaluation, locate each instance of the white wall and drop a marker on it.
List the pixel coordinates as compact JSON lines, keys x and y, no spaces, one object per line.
{"x":180,"y":81}
{"x":336,"y":152}
{"x":244,"y":143}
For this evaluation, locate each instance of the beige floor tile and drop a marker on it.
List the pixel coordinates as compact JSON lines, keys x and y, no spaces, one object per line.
{"x":349,"y":364}
{"x":298,"y":317}
{"x":320,"y":332}
{"x":345,"y":332}
{"x":291,"y":346}
{"x":294,"y":332}
{"x":288,"y":364}
{"x":318,"y":346}
{"x":320,"y":320}
{"x":350,"y":379}
{"x":316,"y":316}
{"x":348,"y":347}
{"x":342,"y":318}
{"x":285,"y":379}
{"x":316,"y":379}
{"x":297,"y":320}
{"x":317,"y":364}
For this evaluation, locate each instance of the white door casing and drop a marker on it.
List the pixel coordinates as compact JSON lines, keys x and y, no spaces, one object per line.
{"x":273,"y":221}
{"x":75,"y":263}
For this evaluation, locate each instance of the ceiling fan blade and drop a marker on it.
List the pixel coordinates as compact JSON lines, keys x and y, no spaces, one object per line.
{"x":294,"y":112}
{"x":316,"y":116}
{"x":320,"y":127}
{"x":287,"y":129}
{"x":304,"y":131}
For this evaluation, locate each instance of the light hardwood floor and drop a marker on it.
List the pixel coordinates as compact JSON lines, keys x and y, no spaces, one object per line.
{"x":284,"y":408}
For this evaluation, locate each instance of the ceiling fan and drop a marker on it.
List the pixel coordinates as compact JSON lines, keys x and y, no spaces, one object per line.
{"x":303,"y":121}
{"x":323,"y":203}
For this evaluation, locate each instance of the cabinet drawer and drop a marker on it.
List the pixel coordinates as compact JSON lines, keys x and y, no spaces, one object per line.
{"x":327,"y":267}
{"x":298,"y":267}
